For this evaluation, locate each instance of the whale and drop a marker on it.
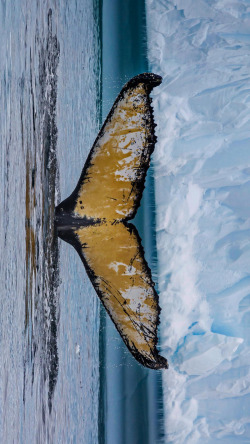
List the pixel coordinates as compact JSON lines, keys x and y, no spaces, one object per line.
{"x":95,"y":219}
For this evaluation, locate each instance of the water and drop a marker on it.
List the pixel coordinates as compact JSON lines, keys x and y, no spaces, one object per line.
{"x":202,"y":198}
{"x":49,"y":325}
{"x":133,"y":393}
{"x":65,"y":374}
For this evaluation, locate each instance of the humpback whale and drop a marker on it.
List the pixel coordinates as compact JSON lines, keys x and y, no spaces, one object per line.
{"x":94,"y":219}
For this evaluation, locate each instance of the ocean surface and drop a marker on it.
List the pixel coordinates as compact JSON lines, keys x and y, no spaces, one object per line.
{"x":65,"y":374}
{"x":49,"y":321}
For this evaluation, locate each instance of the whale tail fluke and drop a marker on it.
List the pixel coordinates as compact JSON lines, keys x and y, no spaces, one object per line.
{"x":112,"y":181}
{"x":114,"y":260}
{"x":95,"y":215}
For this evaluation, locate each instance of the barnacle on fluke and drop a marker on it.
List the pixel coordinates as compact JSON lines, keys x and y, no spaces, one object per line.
{"x":94,"y":219}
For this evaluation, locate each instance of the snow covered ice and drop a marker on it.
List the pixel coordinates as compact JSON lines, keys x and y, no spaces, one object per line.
{"x":202,"y":179}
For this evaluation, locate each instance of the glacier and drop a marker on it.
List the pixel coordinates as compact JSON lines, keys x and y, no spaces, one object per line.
{"x":202,"y":189}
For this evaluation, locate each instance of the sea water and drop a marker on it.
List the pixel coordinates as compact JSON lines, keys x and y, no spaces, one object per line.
{"x":132,"y":393}
{"x":49,"y":320}
{"x":202,"y":186}
{"x":65,"y":374}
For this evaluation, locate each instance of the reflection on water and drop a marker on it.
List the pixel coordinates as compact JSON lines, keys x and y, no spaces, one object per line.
{"x":48,"y":381}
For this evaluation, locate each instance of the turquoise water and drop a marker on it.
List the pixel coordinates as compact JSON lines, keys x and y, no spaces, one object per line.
{"x":132,"y":393}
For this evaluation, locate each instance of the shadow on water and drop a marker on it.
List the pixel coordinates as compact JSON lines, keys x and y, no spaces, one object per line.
{"x":42,"y":254}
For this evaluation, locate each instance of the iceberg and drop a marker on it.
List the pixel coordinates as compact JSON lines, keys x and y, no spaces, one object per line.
{"x":202,"y":189}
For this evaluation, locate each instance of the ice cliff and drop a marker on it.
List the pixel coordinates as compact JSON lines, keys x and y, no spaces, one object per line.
{"x":202,"y":179}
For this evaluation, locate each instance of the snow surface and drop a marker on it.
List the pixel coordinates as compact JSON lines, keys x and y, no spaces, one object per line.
{"x":202,"y":178}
